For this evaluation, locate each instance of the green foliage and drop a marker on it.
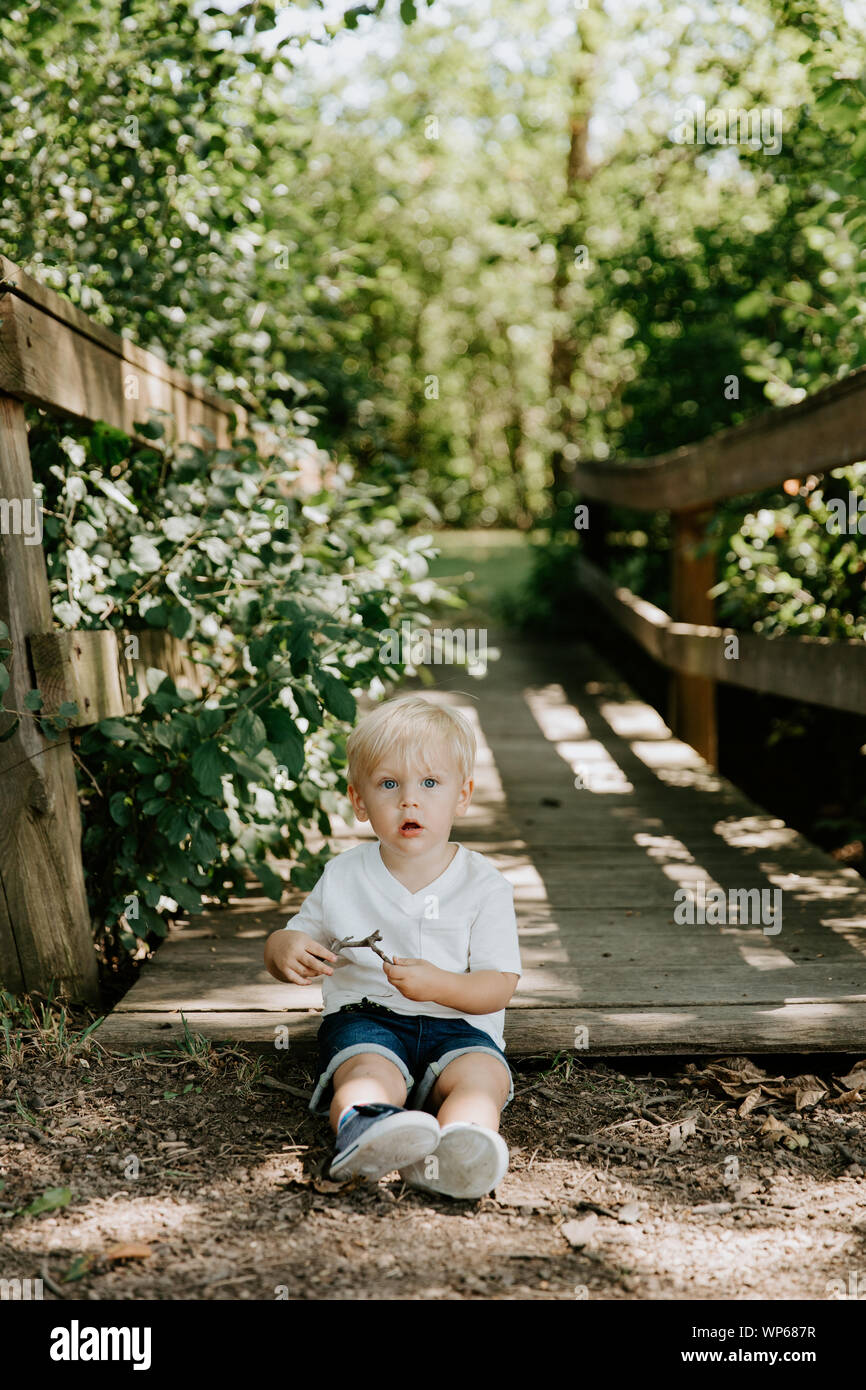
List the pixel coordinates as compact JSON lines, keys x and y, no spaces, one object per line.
{"x":282,"y":599}
{"x":545,"y":602}
{"x":788,"y":567}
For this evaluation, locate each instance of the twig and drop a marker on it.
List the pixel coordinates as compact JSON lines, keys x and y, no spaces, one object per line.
{"x":367,"y":941}
{"x":613,"y":1144}
{"x":50,"y":1284}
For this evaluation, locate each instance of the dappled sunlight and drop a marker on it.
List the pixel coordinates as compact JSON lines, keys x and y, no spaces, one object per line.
{"x":98,"y":1222}
{"x":555,"y":715}
{"x":633,"y":719}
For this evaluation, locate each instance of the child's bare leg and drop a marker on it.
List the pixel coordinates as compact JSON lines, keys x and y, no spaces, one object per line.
{"x":365,"y":1078}
{"x":473,"y":1088}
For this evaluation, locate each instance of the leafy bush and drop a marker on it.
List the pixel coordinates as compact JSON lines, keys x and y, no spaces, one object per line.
{"x":781,"y":568}
{"x":283,"y":600}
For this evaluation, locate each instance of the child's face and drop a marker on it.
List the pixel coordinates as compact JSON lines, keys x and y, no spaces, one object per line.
{"x":411,"y":802}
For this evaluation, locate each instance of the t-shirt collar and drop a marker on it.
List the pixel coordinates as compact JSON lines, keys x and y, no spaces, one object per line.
{"x":396,"y":891}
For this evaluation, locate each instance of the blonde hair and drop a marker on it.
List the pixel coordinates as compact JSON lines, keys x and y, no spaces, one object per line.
{"x":401,"y":724}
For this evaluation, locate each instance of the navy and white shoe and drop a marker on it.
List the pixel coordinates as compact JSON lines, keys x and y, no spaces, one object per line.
{"x":381,"y":1138}
{"x":470,"y":1160}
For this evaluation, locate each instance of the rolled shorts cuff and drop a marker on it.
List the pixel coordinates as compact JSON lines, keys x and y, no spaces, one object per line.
{"x":319,"y":1106}
{"x":420,"y":1095}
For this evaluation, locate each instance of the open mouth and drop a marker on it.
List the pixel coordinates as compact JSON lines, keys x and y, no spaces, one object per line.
{"x":410,"y":826}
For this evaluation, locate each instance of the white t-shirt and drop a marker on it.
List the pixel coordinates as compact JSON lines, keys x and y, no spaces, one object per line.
{"x":463,"y":921}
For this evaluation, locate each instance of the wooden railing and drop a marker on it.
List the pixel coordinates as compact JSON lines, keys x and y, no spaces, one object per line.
{"x":54,"y":356}
{"x":823,"y":432}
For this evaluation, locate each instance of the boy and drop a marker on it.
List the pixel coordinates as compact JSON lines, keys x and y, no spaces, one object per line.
{"x":427,"y":1027}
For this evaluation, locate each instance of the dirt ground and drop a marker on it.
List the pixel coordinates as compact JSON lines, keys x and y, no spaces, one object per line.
{"x":201,"y":1175}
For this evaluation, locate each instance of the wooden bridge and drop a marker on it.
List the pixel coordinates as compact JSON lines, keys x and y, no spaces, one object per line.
{"x":609,"y":821}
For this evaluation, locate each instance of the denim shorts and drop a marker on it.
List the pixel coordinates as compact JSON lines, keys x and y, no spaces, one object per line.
{"x":420,"y":1046}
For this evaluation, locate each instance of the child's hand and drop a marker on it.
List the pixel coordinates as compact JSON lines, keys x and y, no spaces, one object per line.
{"x":416,"y":979}
{"x":295,"y":958}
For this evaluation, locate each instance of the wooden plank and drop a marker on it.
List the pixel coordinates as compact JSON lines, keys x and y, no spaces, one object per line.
{"x":536,"y":1032}
{"x":52,"y":364}
{"x":817,"y":670}
{"x":45,"y":931}
{"x":160,"y":650}
{"x":259,"y":1031}
{"x":825,"y":431}
{"x":570,"y":971}
{"x":53,"y":355}
{"x":81,"y":667}
{"x":91,"y":669}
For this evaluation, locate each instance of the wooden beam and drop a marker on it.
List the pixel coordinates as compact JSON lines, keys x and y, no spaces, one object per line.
{"x":51,"y":355}
{"x":692,"y":699}
{"x":45,"y":934}
{"x":823,"y":432}
{"x":91,"y":669}
{"x":817,"y":670}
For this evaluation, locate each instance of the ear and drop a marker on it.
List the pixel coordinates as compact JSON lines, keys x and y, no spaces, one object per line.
{"x":357,"y":804}
{"x":465,"y":797}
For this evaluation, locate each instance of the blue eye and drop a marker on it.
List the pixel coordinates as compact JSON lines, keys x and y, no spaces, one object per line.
{"x":431,"y":782}
{"x":388,"y":783}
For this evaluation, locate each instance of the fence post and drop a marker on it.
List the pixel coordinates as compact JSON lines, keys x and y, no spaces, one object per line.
{"x":692,"y":699}
{"x":45,"y":933}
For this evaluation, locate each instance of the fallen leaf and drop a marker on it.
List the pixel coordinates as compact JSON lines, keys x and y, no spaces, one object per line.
{"x":780,"y":1132}
{"x":128,"y":1251}
{"x":755,"y":1098}
{"x":846,"y":1098}
{"x":777,"y":1128}
{"x":855,"y":1080}
{"x":326,"y":1187}
{"x":809,"y":1096}
{"x":578,"y":1233}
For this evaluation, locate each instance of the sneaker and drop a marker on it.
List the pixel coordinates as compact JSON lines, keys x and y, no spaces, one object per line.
{"x":470,"y":1160}
{"x":380,"y":1138}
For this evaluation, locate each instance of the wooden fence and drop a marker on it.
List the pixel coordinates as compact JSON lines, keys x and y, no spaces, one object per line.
{"x":54,"y":356}
{"x":825,"y":431}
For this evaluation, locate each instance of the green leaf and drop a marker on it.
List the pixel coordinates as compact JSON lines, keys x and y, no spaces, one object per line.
{"x":184,"y":896}
{"x":249,"y":731}
{"x":204,"y":845}
{"x":179,"y":621}
{"x":7,"y":733}
{"x":307,"y":704}
{"x":33,"y":699}
{"x":4,"y":680}
{"x":119,"y":809}
{"x":68,"y":710}
{"x":143,"y":762}
{"x":51,"y":1200}
{"x":117,"y":731}
{"x":208,"y":765}
{"x":271,"y":882}
{"x":336,"y":696}
{"x":79,"y":1267}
